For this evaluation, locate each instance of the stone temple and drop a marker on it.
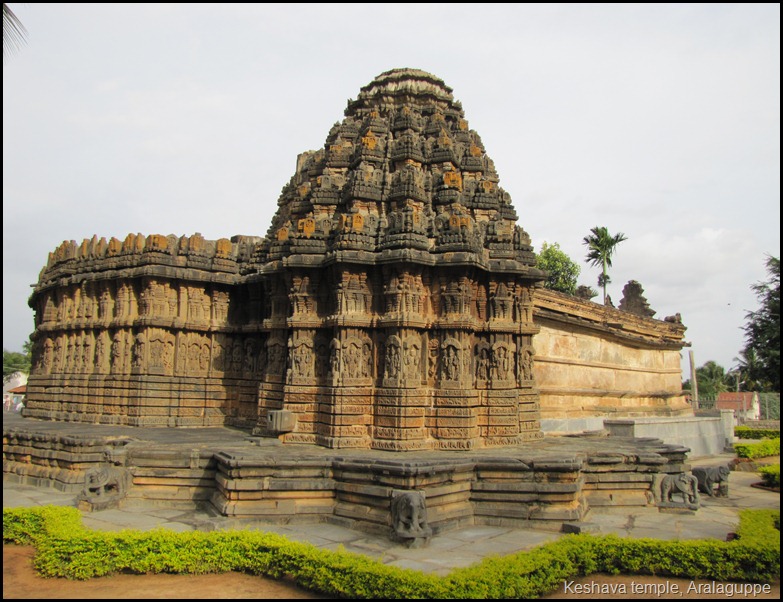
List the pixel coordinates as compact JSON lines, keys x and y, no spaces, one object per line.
{"x":391,"y":307}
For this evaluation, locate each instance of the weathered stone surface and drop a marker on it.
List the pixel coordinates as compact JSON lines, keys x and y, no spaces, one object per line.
{"x":546,"y":483}
{"x":408,"y":285}
{"x":595,"y":360}
{"x":393,"y":304}
{"x":581,"y":527}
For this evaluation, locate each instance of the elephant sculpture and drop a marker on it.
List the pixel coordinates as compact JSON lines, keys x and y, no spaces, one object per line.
{"x":709,"y":476}
{"x":409,"y":517}
{"x":684,"y":486}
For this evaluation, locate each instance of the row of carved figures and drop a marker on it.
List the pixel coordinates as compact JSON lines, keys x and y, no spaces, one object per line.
{"x":454,"y":224}
{"x":154,"y":350}
{"x":437,"y":148}
{"x":102,"y":303}
{"x":374,"y":180}
{"x":412,"y":136}
{"x":407,"y":294}
{"x":159,"y":351}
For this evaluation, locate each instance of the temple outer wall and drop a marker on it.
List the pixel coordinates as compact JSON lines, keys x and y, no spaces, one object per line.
{"x":594,"y":363}
{"x":591,"y":362}
{"x":142,"y":333}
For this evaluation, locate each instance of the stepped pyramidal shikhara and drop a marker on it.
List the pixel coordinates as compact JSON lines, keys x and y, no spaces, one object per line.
{"x":388,"y":307}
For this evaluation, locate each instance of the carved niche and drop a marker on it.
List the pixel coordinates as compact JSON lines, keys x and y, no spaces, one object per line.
{"x":502,"y":362}
{"x":451,"y":362}
{"x":301,"y":360}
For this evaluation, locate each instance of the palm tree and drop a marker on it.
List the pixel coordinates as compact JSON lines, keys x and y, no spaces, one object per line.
{"x":601,"y":247}
{"x":750,"y":370}
{"x":712,"y":379}
{"x":14,"y":32}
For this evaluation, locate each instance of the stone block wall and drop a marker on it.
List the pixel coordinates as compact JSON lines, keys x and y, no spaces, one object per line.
{"x":595,"y":362}
{"x":55,"y":460}
{"x":703,"y":435}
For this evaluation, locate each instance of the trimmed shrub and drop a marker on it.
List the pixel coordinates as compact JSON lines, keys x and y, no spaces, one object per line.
{"x":762,"y":449}
{"x":26,"y":526}
{"x":770,"y":475}
{"x":66,"y":549}
{"x":746,"y":432}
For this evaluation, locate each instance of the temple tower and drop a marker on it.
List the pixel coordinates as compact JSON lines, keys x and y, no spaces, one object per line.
{"x":394,"y":307}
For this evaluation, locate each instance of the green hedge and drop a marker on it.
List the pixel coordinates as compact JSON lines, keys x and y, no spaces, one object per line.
{"x":28,"y":526}
{"x":770,"y":475}
{"x":762,"y":449}
{"x":746,"y":432}
{"x":66,"y":549}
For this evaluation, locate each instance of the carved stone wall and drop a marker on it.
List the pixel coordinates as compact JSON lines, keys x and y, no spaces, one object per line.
{"x":397,"y":284}
{"x":142,"y":333}
{"x":394,"y":363}
{"x":391,"y":305}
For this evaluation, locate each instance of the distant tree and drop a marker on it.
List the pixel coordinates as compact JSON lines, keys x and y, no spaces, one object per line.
{"x":14,"y":362}
{"x":750,"y":370}
{"x":762,"y":331}
{"x":561,"y":269}
{"x":14,"y":33}
{"x":601,"y":246}
{"x":712,"y":379}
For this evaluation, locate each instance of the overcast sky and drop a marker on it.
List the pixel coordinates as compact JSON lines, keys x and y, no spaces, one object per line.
{"x":658,"y":121}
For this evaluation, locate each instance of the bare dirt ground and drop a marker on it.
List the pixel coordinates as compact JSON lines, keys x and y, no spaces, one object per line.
{"x":21,"y":581}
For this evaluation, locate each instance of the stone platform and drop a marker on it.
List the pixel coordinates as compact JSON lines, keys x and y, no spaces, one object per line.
{"x":545,"y":483}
